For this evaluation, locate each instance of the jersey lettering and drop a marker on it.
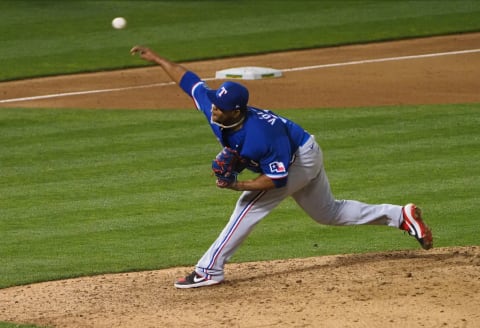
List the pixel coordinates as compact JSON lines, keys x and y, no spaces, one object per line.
{"x":269,"y":117}
{"x":277,"y":167}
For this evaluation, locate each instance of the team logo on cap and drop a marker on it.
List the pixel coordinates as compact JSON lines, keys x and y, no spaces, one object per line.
{"x":222,"y":92}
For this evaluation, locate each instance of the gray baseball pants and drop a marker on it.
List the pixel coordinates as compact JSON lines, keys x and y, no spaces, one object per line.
{"x":308,"y":185}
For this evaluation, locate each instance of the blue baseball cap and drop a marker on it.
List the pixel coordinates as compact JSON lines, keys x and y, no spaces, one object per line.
{"x":229,"y":96}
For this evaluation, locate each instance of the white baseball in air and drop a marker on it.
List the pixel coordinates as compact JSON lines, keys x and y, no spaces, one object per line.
{"x":119,"y":23}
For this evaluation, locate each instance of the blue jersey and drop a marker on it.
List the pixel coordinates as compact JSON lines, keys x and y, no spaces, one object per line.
{"x":266,"y":141}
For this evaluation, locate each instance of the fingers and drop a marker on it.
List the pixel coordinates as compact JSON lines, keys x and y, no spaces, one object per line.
{"x":222,"y":183}
{"x":138,"y":49}
{"x":134,"y":50}
{"x":145,"y":53}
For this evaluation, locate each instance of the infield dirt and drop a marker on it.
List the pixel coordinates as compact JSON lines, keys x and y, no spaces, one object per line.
{"x":436,"y":288}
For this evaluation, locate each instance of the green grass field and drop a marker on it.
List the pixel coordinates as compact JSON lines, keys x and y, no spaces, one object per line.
{"x":56,"y":37}
{"x":86,"y":192}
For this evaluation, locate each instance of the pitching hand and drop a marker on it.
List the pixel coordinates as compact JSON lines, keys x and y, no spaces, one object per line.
{"x":145,"y":53}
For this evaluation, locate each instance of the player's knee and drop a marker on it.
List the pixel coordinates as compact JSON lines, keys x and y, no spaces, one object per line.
{"x":327,"y":214}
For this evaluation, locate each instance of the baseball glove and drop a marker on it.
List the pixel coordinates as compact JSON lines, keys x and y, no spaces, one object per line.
{"x":226,"y":166}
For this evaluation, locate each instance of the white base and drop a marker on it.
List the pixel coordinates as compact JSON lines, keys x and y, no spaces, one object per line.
{"x":248,"y":73}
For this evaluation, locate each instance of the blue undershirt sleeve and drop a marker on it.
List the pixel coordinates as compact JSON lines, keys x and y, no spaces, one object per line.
{"x":279,"y":183}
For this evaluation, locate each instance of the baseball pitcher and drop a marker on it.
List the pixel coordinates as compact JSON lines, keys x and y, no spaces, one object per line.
{"x":289,"y":162}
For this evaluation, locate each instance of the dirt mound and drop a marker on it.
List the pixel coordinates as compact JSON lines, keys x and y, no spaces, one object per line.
{"x":436,"y":288}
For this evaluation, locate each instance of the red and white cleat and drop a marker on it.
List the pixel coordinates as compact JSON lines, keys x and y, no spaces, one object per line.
{"x":414,"y":225}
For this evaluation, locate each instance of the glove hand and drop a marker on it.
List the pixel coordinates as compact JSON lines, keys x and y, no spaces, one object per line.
{"x":223,"y":167}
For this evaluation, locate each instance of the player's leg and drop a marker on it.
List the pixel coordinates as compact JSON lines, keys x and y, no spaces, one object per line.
{"x":316,"y":199}
{"x":351,"y":212}
{"x":250,"y":209}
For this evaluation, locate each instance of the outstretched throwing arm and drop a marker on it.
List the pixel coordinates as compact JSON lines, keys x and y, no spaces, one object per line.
{"x":174,"y":70}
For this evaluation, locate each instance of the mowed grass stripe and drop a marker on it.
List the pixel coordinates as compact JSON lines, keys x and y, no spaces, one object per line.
{"x":86,"y":192}
{"x":76,"y":36}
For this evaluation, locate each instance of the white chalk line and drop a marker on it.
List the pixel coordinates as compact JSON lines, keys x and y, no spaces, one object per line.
{"x":76,"y":93}
{"x":379,"y":60}
{"x":294,"y":69}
